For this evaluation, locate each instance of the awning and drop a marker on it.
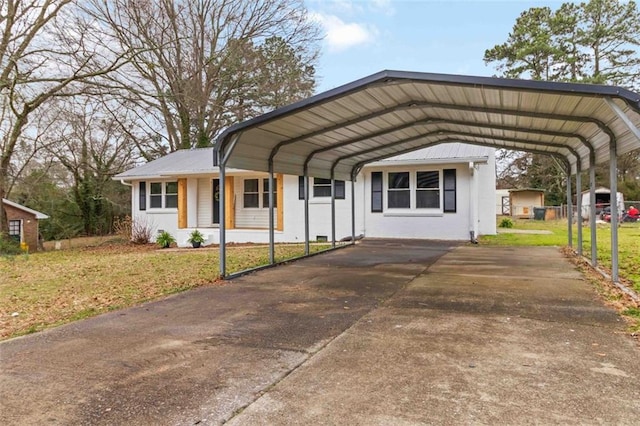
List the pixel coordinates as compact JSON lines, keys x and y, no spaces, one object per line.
{"x":392,"y":112}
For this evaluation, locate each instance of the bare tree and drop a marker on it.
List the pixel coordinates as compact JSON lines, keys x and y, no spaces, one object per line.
{"x":48,"y":49}
{"x":198,"y":70}
{"x":92,"y":146}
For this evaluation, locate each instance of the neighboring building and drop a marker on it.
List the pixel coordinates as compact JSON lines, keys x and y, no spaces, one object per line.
{"x":442,"y":192}
{"x":603,"y":199}
{"x":503,"y":202}
{"x":523,"y":201}
{"x":23,"y":224}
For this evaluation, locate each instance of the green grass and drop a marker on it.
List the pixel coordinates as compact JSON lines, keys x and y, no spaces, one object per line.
{"x":55,"y":287}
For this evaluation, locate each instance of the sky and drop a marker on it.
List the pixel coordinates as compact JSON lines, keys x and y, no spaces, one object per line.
{"x":363,"y":37}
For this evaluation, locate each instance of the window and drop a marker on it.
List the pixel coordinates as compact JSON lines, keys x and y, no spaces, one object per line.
{"x":415,"y":190}
{"x":398,"y":193}
{"x":265,"y":193}
{"x":14,"y":230}
{"x":162,"y":195}
{"x":322,"y":188}
{"x":251,"y":193}
{"x":257,"y":191}
{"x":428,"y":190}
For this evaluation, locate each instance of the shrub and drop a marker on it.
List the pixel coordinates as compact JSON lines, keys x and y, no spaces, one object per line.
{"x":165,"y":239}
{"x":138,"y":231}
{"x":9,"y":247}
{"x":506,"y":223}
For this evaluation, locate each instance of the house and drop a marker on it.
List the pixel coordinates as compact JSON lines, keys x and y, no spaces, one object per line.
{"x":23,"y":224}
{"x":442,"y":192}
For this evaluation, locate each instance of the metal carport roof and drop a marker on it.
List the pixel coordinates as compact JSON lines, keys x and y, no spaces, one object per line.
{"x":334,"y":134}
{"x":393,"y":112}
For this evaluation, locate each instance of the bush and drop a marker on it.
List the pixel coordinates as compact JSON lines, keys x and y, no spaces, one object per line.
{"x":506,"y":223}
{"x":9,"y":247}
{"x":137,"y":231}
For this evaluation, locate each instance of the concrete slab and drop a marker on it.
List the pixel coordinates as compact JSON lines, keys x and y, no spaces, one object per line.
{"x":369,"y":335}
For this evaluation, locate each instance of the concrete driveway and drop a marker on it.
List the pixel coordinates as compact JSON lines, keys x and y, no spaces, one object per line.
{"x":372,"y":334}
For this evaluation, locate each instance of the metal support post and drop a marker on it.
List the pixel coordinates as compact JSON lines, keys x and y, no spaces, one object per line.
{"x":569,"y":208}
{"x":613,"y":179}
{"x":579,"y":204}
{"x":222,"y":225}
{"x":272,"y":257}
{"x":306,"y":213}
{"x":333,"y":210}
{"x":353,"y":211}
{"x":592,"y":210}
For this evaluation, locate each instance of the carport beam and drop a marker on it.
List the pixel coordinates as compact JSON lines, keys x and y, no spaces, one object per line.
{"x":579,"y":204}
{"x":306,"y":212}
{"x":272,"y":257}
{"x":222,"y":219}
{"x":569,"y":207}
{"x":613,"y":179}
{"x":333,"y":210}
{"x":592,"y":209}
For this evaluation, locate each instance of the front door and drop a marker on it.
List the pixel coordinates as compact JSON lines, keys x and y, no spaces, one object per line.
{"x":216,"y":201}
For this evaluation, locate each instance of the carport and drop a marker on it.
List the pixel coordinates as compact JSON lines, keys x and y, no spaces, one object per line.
{"x":334,"y":134}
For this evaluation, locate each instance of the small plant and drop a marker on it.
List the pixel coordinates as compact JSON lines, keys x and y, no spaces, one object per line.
{"x":138,"y":230}
{"x":506,"y":223}
{"x":196,"y":238}
{"x":165,"y":239}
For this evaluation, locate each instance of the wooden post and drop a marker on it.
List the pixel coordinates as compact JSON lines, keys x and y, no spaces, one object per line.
{"x":280,"y":202}
{"x":230,"y":205}
{"x":182,"y":203}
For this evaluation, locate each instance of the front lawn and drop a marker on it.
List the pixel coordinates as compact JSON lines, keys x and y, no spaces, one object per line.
{"x":54,"y":287}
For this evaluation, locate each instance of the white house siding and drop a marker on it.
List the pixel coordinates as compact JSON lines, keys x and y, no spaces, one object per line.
{"x":205,"y":203}
{"x":319,"y":213}
{"x":257,"y":217}
{"x":156,"y":219}
{"x":417,"y":223}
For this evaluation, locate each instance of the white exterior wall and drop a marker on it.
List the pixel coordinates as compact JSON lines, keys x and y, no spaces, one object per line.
{"x":396,"y":224}
{"x":419,"y":223}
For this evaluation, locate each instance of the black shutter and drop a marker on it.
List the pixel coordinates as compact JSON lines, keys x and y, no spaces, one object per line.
{"x":376,"y":192}
{"x":449,"y":186}
{"x":300,"y":187}
{"x":143,"y":196}
{"x":340,"y":190}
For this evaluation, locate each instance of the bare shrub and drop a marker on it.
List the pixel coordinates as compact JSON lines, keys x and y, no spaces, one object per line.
{"x":138,"y":230}
{"x":122,"y":226}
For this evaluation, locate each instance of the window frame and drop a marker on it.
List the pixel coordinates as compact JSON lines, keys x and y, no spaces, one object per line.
{"x":412,"y":209}
{"x":163,"y":195}
{"x":262,"y":193}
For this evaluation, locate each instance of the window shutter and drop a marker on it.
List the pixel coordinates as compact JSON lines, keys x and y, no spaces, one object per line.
{"x":376,"y":192}
{"x":340,"y":190}
{"x":449,"y":186}
{"x":143,"y":196}
{"x":300,"y":187}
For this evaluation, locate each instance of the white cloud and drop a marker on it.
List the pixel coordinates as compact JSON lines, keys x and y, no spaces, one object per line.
{"x":342,"y":35}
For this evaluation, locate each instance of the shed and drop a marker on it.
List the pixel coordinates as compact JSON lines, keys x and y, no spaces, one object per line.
{"x":524,"y":200}
{"x":23,"y":223}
